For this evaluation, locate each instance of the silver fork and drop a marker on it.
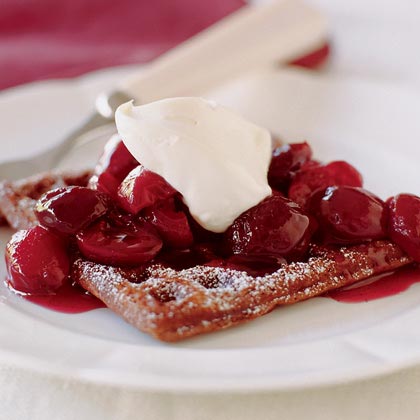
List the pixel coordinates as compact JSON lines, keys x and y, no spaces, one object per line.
{"x":257,"y":36}
{"x":100,"y":125}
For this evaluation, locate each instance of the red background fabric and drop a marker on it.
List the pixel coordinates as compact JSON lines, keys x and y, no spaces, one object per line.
{"x":42,"y":39}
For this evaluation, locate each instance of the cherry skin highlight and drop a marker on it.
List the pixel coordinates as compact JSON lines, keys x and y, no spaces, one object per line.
{"x":404,"y":223}
{"x":285,"y":161}
{"x":37,"y":261}
{"x":105,"y":183}
{"x":275,"y":228}
{"x":67,"y":210}
{"x":349,"y":215}
{"x":116,"y":160}
{"x":315,"y":177}
{"x":114,"y":165}
{"x":119,"y":240}
{"x":142,"y":188}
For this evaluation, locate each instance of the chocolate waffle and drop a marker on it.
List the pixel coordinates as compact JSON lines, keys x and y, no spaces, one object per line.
{"x":172,"y":305}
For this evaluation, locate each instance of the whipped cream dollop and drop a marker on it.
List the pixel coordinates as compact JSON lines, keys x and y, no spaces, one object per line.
{"x":215,"y":158}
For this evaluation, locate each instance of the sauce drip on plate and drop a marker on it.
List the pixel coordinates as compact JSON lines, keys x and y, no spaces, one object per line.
{"x":379,"y":287}
{"x":68,"y":299}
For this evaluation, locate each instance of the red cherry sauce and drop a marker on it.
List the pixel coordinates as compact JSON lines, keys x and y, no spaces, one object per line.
{"x":67,"y":299}
{"x":74,"y":300}
{"x":378,"y":287}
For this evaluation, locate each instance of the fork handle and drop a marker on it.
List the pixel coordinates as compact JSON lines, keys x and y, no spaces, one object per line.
{"x":253,"y":37}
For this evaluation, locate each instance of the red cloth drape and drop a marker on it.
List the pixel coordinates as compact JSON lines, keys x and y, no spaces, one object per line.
{"x":42,"y":39}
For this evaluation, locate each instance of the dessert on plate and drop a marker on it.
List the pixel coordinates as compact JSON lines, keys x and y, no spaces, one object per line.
{"x":193,"y":222}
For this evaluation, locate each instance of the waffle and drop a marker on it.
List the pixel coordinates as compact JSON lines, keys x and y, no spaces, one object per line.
{"x":18,"y":198}
{"x":172,"y":305}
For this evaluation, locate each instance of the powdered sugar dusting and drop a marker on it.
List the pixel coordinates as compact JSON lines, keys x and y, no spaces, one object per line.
{"x":173,"y":304}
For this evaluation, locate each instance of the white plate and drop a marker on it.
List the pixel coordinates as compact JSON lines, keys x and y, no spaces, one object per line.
{"x":317,"y":342}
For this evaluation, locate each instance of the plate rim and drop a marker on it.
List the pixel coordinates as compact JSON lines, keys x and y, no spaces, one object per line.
{"x":196,"y":385}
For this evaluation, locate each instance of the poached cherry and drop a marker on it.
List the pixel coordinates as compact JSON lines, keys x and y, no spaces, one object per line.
{"x":314,"y":177}
{"x":67,"y":210}
{"x":142,"y":188}
{"x":114,"y":165}
{"x":172,"y":225}
{"x":118,"y":239}
{"x":37,"y":261}
{"x":348,"y":215}
{"x":275,"y":228}
{"x":404,"y":223}
{"x":285,"y":161}
{"x":116,"y":159}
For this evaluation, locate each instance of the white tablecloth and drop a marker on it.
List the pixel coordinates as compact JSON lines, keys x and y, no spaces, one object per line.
{"x":35,"y":397}
{"x":373,"y":39}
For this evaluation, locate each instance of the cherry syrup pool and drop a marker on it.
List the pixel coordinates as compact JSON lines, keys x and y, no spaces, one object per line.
{"x":69,"y":299}
{"x":377,"y":288}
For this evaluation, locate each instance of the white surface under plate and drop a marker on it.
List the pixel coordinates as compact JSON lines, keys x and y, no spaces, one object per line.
{"x":373,"y":126}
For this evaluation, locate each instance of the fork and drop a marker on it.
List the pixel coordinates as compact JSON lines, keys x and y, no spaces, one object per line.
{"x":252,"y":38}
